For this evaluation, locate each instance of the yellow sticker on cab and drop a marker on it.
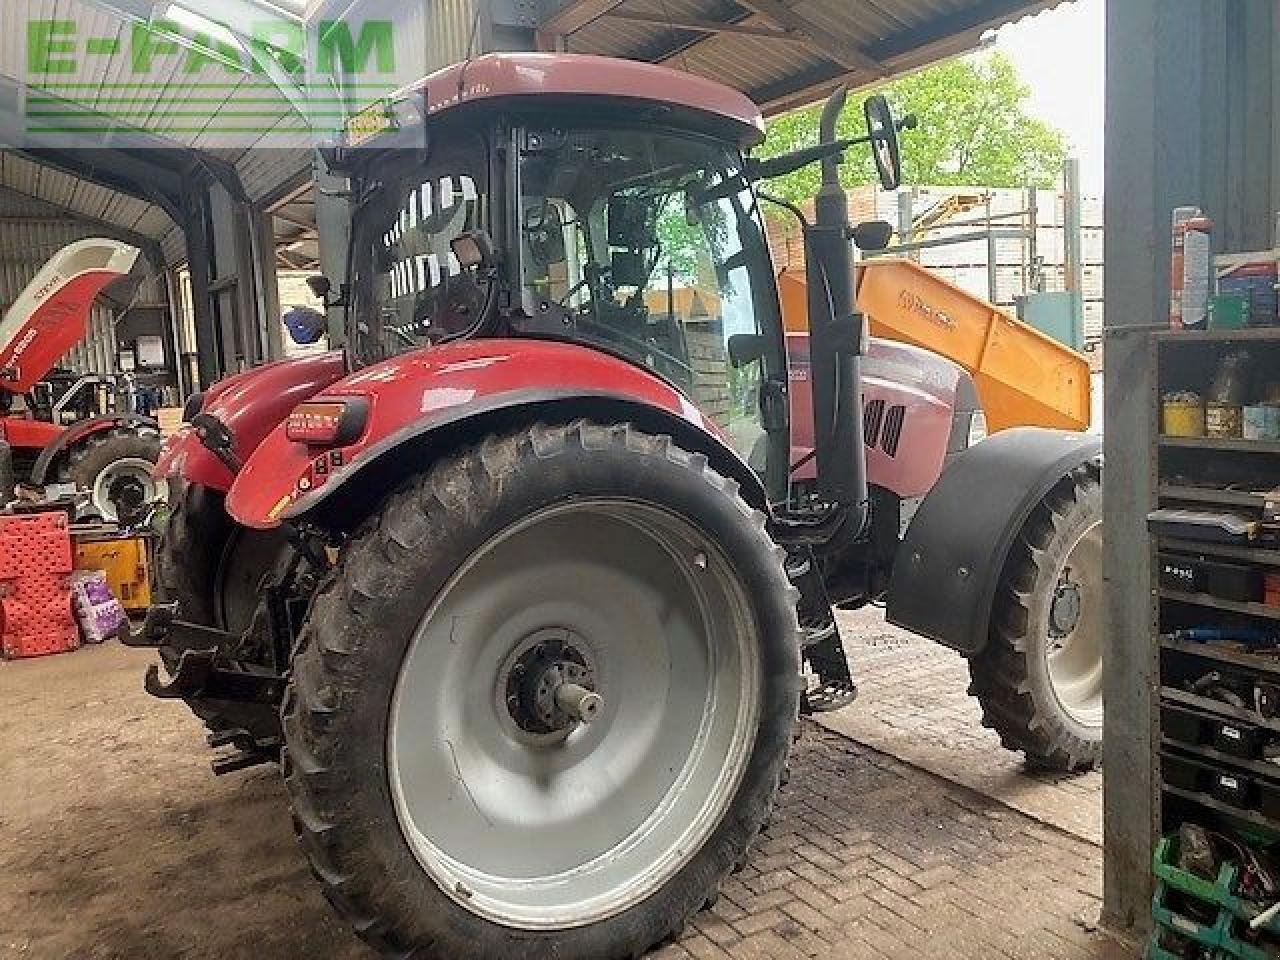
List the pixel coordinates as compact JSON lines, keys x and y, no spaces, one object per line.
{"x":373,"y":121}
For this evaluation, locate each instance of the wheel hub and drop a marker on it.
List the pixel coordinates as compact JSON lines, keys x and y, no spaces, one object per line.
{"x":124,"y":489}
{"x":549,"y":684}
{"x":1065,"y":613}
{"x":128,"y":494}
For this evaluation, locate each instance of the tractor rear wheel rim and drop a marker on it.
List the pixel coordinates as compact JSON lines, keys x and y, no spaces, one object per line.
{"x":1075,"y":657}
{"x":543,"y":829}
{"x":134,"y":471}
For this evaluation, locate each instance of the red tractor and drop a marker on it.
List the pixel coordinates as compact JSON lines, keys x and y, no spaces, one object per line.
{"x":55,"y":427}
{"x":520,"y":587}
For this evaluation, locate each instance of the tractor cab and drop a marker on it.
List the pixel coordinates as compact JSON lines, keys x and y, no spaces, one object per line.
{"x":581,"y":200}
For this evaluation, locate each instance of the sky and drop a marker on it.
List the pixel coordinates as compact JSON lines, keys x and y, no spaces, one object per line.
{"x":1061,"y":56}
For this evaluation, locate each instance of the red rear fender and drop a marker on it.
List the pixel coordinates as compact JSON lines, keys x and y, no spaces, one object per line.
{"x":250,"y":405}
{"x":416,"y":394}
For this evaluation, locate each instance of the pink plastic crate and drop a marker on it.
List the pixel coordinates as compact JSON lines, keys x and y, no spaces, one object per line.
{"x":36,"y":618}
{"x":37,"y":544}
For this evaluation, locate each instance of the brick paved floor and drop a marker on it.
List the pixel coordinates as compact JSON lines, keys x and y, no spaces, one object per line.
{"x":912,"y":704}
{"x":119,"y":844}
{"x":869,"y":858}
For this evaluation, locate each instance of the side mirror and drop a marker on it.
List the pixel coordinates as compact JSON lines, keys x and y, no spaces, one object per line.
{"x":474,"y":250}
{"x":872,"y":235}
{"x":319,"y":286}
{"x":882,"y":130}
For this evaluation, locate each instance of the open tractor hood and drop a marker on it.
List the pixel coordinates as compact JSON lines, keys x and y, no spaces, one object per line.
{"x":52,"y":314}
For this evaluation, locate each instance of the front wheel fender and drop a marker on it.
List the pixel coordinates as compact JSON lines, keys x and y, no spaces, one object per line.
{"x":949,"y":565}
{"x":79,"y":432}
{"x":422,"y":404}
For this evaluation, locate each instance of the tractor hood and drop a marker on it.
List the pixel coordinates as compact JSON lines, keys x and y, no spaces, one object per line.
{"x":250,"y":405}
{"x":52,"y":314}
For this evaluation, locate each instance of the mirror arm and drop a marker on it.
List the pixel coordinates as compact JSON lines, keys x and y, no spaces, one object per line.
{"x":787,"y":205}
{"x":783,"y":164}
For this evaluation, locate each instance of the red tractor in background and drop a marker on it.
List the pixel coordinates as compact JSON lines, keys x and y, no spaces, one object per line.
{"x":57,"y":427}
{"x":522,"y":587}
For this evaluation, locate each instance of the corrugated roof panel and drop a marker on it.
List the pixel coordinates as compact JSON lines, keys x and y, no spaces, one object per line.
{"x":173,"y":245}
{"x":264,"y":172}
{"x":80,"y":197}
{"x":902,"y":34}
{"x":154,"y":222}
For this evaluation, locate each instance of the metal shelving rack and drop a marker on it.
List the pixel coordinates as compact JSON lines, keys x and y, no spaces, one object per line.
{"x":1202,"y":776}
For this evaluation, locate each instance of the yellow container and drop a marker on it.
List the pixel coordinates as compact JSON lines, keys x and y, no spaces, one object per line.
{"x":124,"y":561}
{"x":1183,"y":418}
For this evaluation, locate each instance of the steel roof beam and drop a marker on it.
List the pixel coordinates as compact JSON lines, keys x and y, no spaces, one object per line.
{"x":700,"y":25}
{"x":814,"y":37}
{"x":122,"y":171}
{"x":943,"y":38}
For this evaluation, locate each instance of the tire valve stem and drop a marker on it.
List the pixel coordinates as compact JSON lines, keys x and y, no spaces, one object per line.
{"x":579,"y":702}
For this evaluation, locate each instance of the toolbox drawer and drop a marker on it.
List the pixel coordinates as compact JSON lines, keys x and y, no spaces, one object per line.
{"x":1196,"y":728}
{"x":1234,"y":788}
{"x":1193,"y":573}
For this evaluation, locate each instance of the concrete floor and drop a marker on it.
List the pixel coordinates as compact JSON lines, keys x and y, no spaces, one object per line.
{"x":118,"y":844}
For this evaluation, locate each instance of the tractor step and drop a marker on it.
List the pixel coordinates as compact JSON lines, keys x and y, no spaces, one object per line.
{"x":247,"y":751}
{"x":829,"y":696}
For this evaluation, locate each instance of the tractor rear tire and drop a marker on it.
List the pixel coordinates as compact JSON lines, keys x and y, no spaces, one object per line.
{"x":121,"y":455}
{"x":444,"y":815}
{"x":8,"y":478}
{"x":212,"y":567}
{"x":1039,"y":679}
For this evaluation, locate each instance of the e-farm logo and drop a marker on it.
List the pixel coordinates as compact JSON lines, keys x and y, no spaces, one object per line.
{"x":177,"y":78}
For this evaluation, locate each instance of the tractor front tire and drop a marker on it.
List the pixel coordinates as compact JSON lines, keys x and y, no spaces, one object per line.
{"x":1039,"y":679}
{"x":8,"y":477}
{"x":212,"y":568}
{"x":541,"y":708}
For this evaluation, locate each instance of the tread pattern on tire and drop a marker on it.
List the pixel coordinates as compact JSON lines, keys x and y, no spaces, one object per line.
{"x":191,"y":542}
{"x":8,"y":478}
{"x":1012,"y":705}
{"x":326,"y":673}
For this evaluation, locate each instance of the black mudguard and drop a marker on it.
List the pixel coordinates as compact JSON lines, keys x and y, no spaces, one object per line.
{"x":949,"y":564}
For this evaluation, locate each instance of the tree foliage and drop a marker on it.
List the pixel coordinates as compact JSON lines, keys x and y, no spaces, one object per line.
{"x":974,"y":130}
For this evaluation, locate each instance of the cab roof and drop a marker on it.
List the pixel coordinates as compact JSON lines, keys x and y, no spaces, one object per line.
{"x":550,"y":75}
